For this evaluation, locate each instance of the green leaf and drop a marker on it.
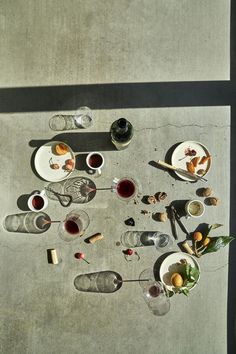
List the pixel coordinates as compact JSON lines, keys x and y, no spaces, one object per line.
{"x":184,"y":291}
{"x":217,"y":242}
{"x":214,"y":226}
{"x":190,"y":284}
{"x":170,"y":293}
{"x":194,"y":274}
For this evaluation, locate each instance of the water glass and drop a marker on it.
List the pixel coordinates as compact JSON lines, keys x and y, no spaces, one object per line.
{"x":155,"y":297}
{"x":83,"y":117}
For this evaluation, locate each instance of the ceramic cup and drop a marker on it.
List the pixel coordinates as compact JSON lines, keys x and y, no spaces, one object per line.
{"x":95,"y":162}
{"x":38,"y":201}
{"x":194,"y":209}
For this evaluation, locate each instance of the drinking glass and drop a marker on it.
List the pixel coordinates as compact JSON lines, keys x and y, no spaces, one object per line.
{"x":99,"y":282}
{"x":155,"y":297}
{"x":126,"y":188}
{"x":81,"y":119}
{"x":74,"y":225}
{"x":162,"y":242}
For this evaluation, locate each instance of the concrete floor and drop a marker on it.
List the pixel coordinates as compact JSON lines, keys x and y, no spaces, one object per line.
{"x":86,"y":42}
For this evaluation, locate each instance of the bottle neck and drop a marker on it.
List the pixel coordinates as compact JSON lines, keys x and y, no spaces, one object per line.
{"x":122,"y":125}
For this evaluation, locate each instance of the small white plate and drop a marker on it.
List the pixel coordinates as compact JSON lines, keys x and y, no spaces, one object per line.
{"x":170,"y":265}
{"x":45,"y":156}
{"x":179,"y":160}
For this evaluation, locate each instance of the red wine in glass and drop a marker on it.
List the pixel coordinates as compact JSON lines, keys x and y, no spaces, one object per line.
{"x":154,"y":291}
{"x":125,"y":188}
{"x":71,"y":226}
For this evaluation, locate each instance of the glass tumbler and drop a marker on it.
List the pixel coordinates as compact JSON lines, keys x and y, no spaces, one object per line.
{"x":80,"y":120}
{"x":155,"y":297}
{"x":162,"y":242}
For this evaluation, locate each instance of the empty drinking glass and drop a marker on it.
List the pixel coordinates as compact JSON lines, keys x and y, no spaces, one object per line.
{"x":162,"y":242}
{"x":81,"y":119}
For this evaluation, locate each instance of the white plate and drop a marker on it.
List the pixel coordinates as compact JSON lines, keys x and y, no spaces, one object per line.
{"x":179,"y":152}
{"x":170,"y":266}
{"x":42,"y":159}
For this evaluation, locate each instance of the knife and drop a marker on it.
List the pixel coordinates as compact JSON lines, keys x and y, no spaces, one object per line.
{"x":181,"y":171}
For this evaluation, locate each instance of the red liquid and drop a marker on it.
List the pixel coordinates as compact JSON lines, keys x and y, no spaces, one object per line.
{"x":95,"y":161}
{"x":71,"y":227}
{"x":154,"y":291}
{"x":38,"y":202}
{"x":126,"y":188}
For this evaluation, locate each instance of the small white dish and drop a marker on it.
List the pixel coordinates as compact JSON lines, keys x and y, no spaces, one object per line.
{"x":179,"y":160}
{"x":170,"y":265}
{"x":46,"y":156}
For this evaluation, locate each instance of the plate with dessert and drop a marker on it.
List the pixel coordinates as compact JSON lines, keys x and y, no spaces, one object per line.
{"x":193,"y":157}
{"x":54,"y":161}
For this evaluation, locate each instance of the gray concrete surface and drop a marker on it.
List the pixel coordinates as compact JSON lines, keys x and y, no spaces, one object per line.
{"x":88,"y":41}
{"x":83,"y":42}
{"x":42,"y":312}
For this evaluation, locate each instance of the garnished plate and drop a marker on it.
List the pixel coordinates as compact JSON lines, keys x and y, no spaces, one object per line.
{"x":191,"y":154}
{"x":172,"y":263}
{"x":51,"y":166}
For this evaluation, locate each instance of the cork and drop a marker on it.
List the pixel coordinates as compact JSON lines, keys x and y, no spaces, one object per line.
{"x":187,"y":248}
{"x":53,"y":255}
{"x":95,"y":238}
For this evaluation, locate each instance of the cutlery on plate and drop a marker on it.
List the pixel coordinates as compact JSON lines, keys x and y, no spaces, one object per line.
{"x":181,"y":171}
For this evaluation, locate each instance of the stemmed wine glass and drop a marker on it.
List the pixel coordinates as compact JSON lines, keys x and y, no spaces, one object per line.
{"x":74,"y":225}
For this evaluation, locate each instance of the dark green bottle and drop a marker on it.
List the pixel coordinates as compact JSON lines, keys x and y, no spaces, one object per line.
{"x":122,"y":132}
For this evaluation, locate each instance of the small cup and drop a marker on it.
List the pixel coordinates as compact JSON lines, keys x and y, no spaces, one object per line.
{"x":194,"y":209}
{"x":38,"y":201}
{"x":95,"y":162}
